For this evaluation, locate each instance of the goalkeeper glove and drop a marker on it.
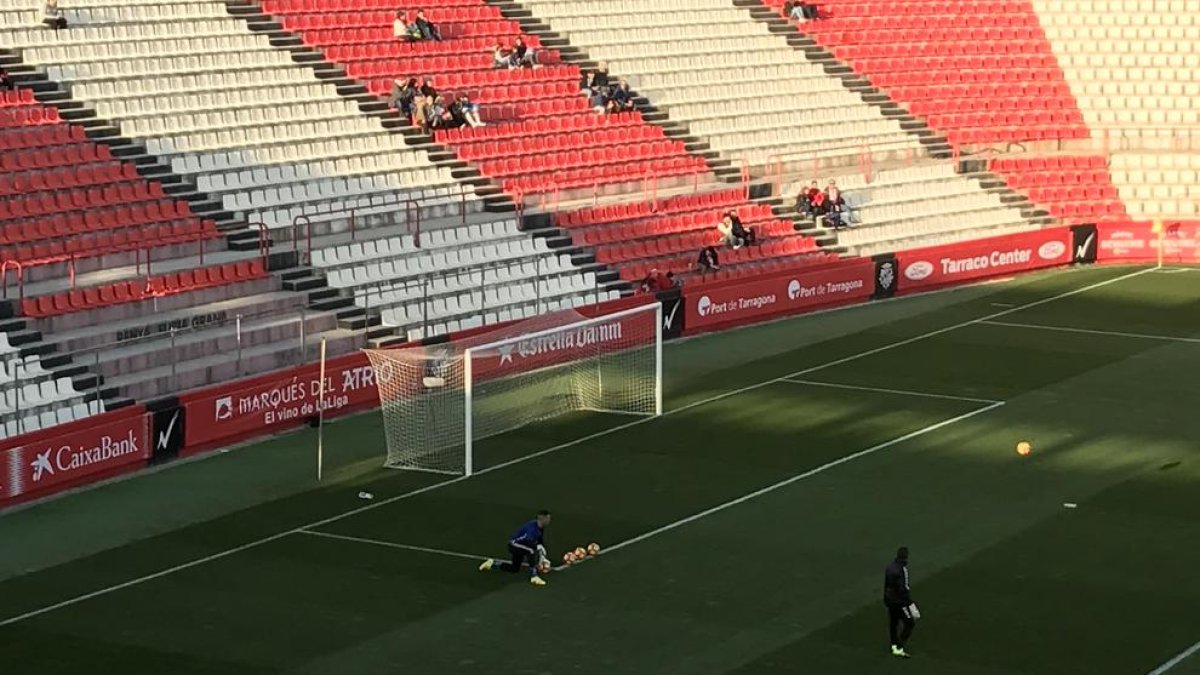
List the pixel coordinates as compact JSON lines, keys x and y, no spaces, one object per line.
{"x":541,"y":551}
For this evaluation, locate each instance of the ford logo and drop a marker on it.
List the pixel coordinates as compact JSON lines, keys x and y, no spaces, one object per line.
{"x":1052,"y":250}
{"x":919,"y":270}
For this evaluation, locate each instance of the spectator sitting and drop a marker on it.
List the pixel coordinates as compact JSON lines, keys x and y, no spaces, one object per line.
{"x":801,"y":11}
{"x":587,"y":82}
{"x":400,"y":27}
{"x":402,"y":96}
{"x":819,"y":205}
{"x":428,"y":29}
{"x":747,"y":235}
{"x":621,"y":99}
{"x":835,"y":205}
{"x":656,"y":281}
{"x":52,"y":15}
{"x":523,"y":55}
{"x":601,"y":80}
{"x":501,"y":58}
{"x":804,"y":201}
{"x":439,"y":116}
{"x":403,"y":30}
{"x":6,"y":81}
{"x":423,"y":113}
{"x":465,"y":112}
{"x":725,"y":227}
{"x":597,"y":100}
{"x":708,"y":262}
{"x":427,"y":88}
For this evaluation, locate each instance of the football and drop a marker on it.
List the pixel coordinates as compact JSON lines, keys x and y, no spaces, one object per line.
{"x":580,"y":553}
{"x":1024,"y":448}
{"x":593,"y":549}
{"x":569,"y":557}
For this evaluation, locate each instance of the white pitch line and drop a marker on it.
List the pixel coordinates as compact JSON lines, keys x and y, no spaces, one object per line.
{"x":562,"y":446}
{"x":1089,"y":331}
{"x":799,"y":477}
{"x":392,"y":544}
{"x":1176,"y":660}
{"x":900,"y":392}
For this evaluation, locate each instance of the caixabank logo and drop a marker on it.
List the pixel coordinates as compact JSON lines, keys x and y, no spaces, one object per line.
{"x":41,"y":466}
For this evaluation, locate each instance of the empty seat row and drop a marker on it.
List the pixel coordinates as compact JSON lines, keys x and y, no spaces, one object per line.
{"x":142,"y":289}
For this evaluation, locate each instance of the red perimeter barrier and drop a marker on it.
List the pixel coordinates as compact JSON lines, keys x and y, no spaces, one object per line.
{"x":1138,"y":242}
{"x":43,"y":462}
{"x":723,"y":304}
{"x":268,"y":403}
{"x":926,"y":268}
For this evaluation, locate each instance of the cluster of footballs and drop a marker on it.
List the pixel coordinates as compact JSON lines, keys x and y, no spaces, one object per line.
{"x":572,"y":557}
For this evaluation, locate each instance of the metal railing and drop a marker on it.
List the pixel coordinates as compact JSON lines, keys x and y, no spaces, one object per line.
{"x":412,"y":224}
{"x":4,"y":267}
{"x":162,"y":335}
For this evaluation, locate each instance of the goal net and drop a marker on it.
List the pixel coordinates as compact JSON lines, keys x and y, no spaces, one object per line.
{"x":439,"y":400}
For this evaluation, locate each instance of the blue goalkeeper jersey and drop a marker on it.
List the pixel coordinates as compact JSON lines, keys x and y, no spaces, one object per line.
{"x":528,"y":536}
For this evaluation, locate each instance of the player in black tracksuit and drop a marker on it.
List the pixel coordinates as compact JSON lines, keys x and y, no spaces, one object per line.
{"x":898,"y":599}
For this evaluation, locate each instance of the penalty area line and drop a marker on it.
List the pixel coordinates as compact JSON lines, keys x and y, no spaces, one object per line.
{"x":1176,"y":660}
{"x":881,"y":390}
{"x":799,"y":477}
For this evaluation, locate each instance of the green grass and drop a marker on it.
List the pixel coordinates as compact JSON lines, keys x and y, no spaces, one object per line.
{"x":1008,"y":579}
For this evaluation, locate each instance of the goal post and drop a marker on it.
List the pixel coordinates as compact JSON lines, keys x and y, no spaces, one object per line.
{"x":439,"y":400}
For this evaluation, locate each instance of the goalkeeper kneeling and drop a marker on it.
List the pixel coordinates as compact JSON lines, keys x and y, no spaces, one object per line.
{"x":527,"y":546}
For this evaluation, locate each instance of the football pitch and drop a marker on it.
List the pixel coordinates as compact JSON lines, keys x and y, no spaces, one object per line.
{"x":745,"y":531}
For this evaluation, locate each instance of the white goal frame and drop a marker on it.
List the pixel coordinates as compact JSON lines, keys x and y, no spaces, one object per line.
{"x":469,"y":380}
{"x":436,"y":396}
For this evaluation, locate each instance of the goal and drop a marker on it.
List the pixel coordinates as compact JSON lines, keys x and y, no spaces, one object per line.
{"x":439,"y":400}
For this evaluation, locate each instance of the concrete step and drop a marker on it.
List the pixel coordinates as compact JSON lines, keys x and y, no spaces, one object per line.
{"x":280,"y":333}
{"x":194,"y":319}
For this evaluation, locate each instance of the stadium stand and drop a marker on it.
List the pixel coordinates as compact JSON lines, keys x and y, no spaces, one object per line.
{"x":1133,"y":68}
{"x":120,"y":275}
{"x":238,"y":116}
{"x":68,"y":207}
{"x":543,"y":143}
{"x":799,"y":114}
{"x":985,"y":75}
{"x":988,"y":79}
{"x":745,"y":91}
{"x":550,"y":142}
